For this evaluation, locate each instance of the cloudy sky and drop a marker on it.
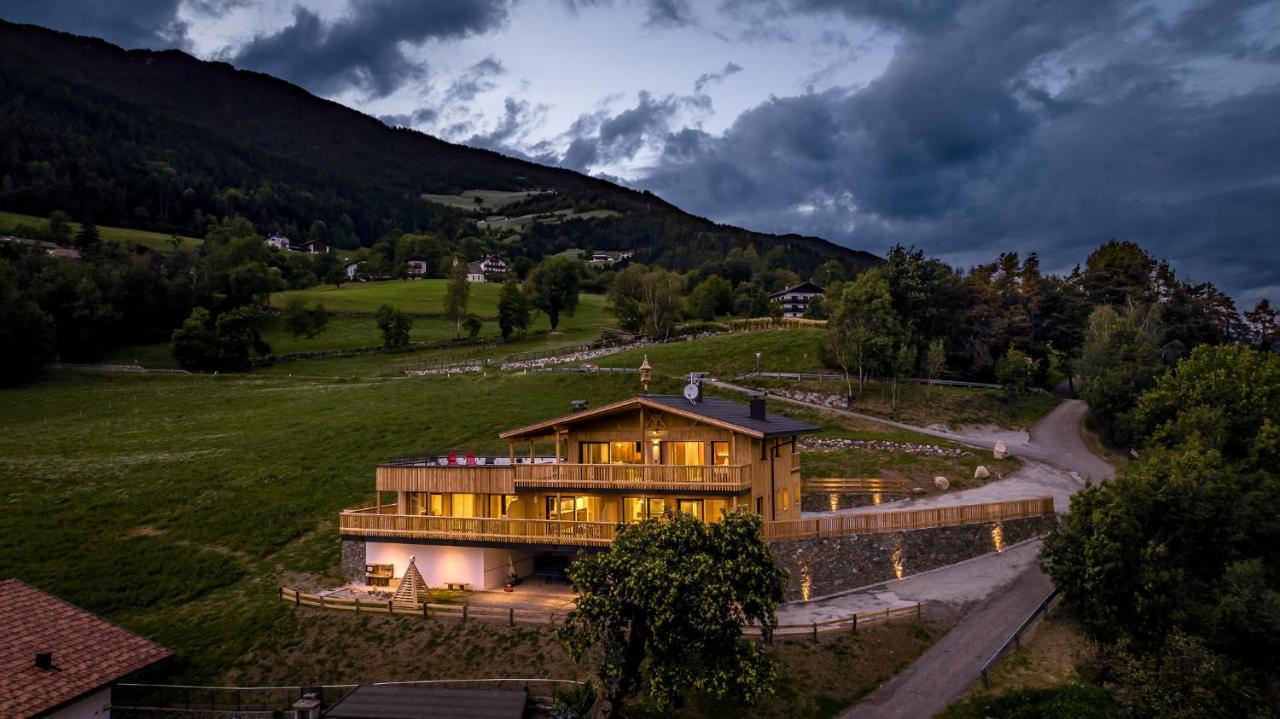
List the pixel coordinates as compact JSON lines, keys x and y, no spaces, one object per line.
{"x":964,"y":128}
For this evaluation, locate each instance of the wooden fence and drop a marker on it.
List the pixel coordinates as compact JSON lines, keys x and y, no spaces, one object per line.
{"x":512,"y":616}
{"x":858,"y":485}
{"x":877,"y":522}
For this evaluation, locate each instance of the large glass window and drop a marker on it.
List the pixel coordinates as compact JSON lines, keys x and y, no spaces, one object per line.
{"x":635,"y":509}
{"x":625,"y":453}
{"x":595,"y":452}
{"x":692,"y":507}
{"x":715,"y":509}
{"x":720,"y":453}
{"x":500,"y":505}
{"x":685,"y":453}
{"x":463,"y":505}
{"x":423,"y":503}
{"x":569,"y":509}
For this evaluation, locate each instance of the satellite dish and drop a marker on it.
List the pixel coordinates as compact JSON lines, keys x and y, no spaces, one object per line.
{"x":693,"y":390}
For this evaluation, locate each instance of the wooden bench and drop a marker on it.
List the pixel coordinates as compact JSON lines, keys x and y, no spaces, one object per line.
{"x":458,"y":586}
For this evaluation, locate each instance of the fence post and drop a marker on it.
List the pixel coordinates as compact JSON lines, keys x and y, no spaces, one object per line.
{"x":855,"y":624}
{"x":322,"y":601}
{"x":464,"y":614}
{"x":357,"y":604}
{"x":815,"y":632}
{"x":919,"y":611}
{"x":390,"y":607}
{"x":297,"y":599}
{"x":424,"y":610}
{"x":511,"y":616}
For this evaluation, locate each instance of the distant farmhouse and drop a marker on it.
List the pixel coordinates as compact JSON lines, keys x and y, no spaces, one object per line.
{"x":352,"y":269}
{"x":604,"y":259}
{"x":415,"y":267}
{"x":795,"y":299}
{"x":310,"y":247}
{"x":57,"y":660}
{"x":487,"y":269}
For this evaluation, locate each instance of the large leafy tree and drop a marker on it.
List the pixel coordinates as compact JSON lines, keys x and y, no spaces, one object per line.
{"x":863,"y":328}
{"x":553,"y":287}
{"x":1121,"y":359}
{"x":513,"y":310}
{"x":26,"y":332}
{"x":666,"y":604}
{"x":394,"y":325}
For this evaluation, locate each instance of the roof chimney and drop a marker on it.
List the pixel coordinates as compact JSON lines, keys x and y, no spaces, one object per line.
{"x":757,"y":406}
{"x":578,"y":405}
{"x":44,"y":660}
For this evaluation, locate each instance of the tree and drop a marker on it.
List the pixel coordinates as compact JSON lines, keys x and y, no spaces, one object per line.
{"x":87,"y":239}
{"x":662,"y":302}
{"x":1014,"y":372}
{"x":472,"y":325}
{"x":1118,"y":273}
{"x":336,"y":276}
{"x":1121,"y":359}
{"x":935,"y":361}
{"x":904,"y":363}
{"x":1264,"y":325}
{"x":394,"y":325}
{"x":456,"y":294}
{"x":714,"y":578}
{"x":303,"y":321}
{"x":710,"y":297}
{"x":816,"y":308}
{"x":237,"y":335}
{"x":831,"y":272}
{"x":194,"y":345}
{"x":26,"y":332}
{"x":863,"y":328}
{"x":626,"y":298}
{"x":513,"y":310}
{"x":553,"y":287}
{"x":59,"y":227}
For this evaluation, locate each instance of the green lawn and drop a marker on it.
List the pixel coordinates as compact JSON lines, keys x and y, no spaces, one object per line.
{"x":492,"y":199}
{"x":727,"y":356}
{"x":153,"y":240}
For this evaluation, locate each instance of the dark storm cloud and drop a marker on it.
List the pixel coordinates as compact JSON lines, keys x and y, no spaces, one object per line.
{"x":602,"y":137}
{"x":905,"y":14}
{"x":146,"y":24}
{"x":364,"y":49}
{"x":707,"y":79}
{"x":963,"y":148}
{"x":474,"y":80}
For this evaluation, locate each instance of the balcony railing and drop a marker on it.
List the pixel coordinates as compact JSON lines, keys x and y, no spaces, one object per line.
{"x":704,"y":478}
{"x":371,"y":522}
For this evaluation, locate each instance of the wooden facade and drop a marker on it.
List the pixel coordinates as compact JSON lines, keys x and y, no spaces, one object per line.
{"x":612,"y":465}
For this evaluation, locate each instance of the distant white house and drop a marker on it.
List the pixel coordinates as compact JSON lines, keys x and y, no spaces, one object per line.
{"x":352,"y":268}
{"x":604,"y":259}
{"x":416,"y":266}
{"x":310,"y":247}
{"x":491,"y":268}
{"x":795,"y":299}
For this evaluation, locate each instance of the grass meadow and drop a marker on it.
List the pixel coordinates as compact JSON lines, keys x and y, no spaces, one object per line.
{"x":154,"y":240}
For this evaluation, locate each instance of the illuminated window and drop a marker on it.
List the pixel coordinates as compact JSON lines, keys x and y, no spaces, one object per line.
{"x":594,"y":452}
{"x":685,"y":453}
{"x":635,"y":509}
{"x":439,"y":505}
{"x":625,"y":453}
{"x":500,"y":505}
{"x":570,"y":509}
{"x":422,"y":503}
{"x":782,"y":501}
{"x":715,"y":509}
{"x":417,"y":502}
{"x":463,"y":505}
{"x":692,"y":507}
{"x":720,"y":453}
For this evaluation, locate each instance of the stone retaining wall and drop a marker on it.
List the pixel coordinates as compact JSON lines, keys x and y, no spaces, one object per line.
{"x":821,"y":566}
{"x":353,"y":561}
{"x":822,"y":501}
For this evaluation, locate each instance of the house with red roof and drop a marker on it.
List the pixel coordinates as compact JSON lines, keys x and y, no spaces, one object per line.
{"x":58,"y":660}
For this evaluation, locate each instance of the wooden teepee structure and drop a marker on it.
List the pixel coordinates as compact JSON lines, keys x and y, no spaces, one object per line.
{"x":412,"y":589}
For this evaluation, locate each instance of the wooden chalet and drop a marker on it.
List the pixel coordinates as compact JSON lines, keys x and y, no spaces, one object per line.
{"x":479,"y":521}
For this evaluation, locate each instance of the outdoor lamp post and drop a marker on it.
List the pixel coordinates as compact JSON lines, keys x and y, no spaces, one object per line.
{"x":757,"y":362}
{"x":646,"y":373}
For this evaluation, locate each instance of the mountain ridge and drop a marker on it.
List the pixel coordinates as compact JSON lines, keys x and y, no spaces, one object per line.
{"x":357,"y":158}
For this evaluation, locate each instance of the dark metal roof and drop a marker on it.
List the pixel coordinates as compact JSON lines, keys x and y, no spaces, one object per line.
{"x":722,"y":410}
{"x":802,"y":287}
{"x":407,"y":701}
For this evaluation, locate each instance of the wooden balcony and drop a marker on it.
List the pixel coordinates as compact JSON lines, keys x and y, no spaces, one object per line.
{"x":493,"y":478}
{"x":731,"y":478}
{"x":367,"y":521}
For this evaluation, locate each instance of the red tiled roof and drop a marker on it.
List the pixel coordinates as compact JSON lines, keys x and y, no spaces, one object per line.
{"x":88,"y":652}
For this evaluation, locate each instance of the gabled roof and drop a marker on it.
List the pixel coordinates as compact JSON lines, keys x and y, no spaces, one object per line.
{"x":719,"y":412}
{"x":807,"y":287}
{"x":89,"y":652}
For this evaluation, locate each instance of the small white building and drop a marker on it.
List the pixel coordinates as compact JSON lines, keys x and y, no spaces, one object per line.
{"x":795,"y":299}
{"x":416,"y":266}
{"x":352,"y":269}
{"x":279,"y":242}
{"x":487,"y":269}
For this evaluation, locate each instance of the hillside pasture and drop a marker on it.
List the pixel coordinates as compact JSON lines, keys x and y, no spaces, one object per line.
{"x":489,"y":199}
{"x":154,"y":240}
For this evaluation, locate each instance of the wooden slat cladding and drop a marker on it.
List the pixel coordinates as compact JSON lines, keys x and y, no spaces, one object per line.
{"x":623,"y":477}
{"x":474,"y":529}
{"x":876,"y":522}
{"x":486,"y":479}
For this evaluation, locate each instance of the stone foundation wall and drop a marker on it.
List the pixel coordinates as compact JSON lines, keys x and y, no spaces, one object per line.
{"x":353,"y":560}
{"x":820,"y":566}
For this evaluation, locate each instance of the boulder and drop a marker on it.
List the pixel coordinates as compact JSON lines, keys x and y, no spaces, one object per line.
{"x":941,"y":482}
{"x":981,"y":472}
{"x":1001,"y":449}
